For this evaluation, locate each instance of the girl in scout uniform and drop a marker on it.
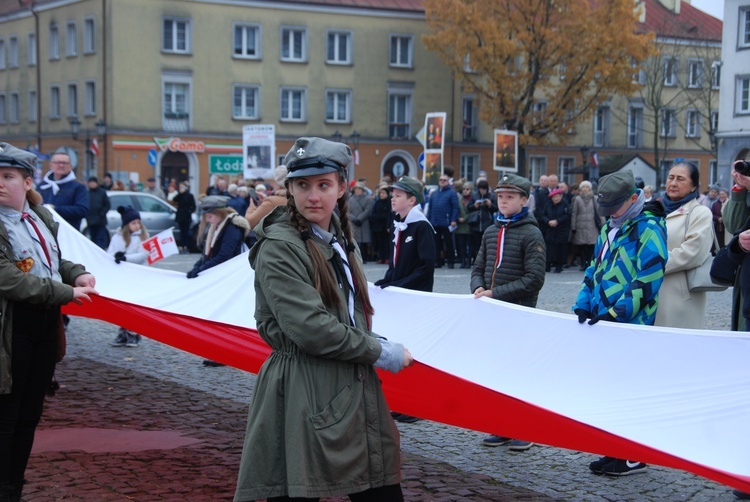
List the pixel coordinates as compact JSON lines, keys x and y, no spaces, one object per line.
{"x":34,"y":282}
{"x":319,"y":425}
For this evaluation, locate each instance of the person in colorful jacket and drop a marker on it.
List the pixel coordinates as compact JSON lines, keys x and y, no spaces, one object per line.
{"x":34,"y":282}
{"x":622,"y":282}
{"x":318,"y":424}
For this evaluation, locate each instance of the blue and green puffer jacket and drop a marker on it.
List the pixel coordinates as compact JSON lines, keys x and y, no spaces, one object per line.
{"x":625,"y":281}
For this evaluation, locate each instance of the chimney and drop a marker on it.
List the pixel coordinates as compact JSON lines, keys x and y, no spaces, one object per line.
{"x":640,"y":10}
{"x":672,"y":5}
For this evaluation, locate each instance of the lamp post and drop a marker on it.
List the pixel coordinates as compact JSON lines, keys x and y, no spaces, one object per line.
{"x":75,"y":130}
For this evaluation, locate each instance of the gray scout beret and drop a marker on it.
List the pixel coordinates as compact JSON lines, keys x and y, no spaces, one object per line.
{"x":15,"y":157}
{"x":213,"y":202}
{"x":313,"y":156}
{"x":410,"y":186}
{"x":614,"y":190}
{"x":514,"y":183}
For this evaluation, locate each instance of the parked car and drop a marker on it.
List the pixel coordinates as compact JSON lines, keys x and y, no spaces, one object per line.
{"x":157,"y":215}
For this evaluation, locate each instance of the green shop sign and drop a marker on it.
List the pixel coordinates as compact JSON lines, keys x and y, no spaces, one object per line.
{"x":225,"y":164}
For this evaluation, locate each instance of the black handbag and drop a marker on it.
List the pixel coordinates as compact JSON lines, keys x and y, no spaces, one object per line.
{"x":723,"y":269}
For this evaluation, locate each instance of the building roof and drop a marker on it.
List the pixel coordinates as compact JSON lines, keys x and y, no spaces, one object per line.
{"x":691,"y":23}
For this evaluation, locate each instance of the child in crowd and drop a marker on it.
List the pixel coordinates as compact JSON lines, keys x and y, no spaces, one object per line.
{"x":224,"y":240}
{"x":623,"y":281}
{"x":126,"y":245}
{"x":318,"y":413}
{"x":510,"y":264}
{"x":413,"y":252}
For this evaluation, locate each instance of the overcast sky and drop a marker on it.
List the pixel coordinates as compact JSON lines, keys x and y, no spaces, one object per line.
{"x":713,"y":7}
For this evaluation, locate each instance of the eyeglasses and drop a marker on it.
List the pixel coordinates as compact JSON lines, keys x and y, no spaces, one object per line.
{"x":443,"y":180}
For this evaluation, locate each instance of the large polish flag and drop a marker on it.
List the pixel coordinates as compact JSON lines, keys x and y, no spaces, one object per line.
{"x":673,"y":397}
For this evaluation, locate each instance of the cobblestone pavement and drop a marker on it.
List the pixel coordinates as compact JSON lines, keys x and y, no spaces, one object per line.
{"x":155,"y":387}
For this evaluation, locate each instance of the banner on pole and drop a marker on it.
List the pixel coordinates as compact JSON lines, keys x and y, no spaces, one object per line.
{"x":259,"y":151}
{"x":433,"y":147}
{"x":506,"y":151}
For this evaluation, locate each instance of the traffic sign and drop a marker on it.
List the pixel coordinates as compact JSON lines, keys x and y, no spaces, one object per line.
{"x":152,"y":157}
{"x":420,"y":161}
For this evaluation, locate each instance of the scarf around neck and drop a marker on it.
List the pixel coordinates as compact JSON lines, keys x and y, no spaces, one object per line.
{"x":50,"y":182}
{"x":633,"y":211}
{"x":518,"y":216}
{"x":673,"y":205}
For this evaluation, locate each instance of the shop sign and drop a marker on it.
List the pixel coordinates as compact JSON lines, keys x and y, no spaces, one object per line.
{"x":179,"y":145}
{"x":225,"y":164}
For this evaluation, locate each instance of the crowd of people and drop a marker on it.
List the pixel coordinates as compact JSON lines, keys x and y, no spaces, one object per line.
{"x":309,"y":230}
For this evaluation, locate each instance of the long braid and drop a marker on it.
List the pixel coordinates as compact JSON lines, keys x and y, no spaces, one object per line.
{"x":360,"y":281}
{"x":325,"y":282}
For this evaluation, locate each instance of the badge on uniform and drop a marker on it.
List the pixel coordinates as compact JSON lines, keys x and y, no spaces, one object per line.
{"x":25,"y":264}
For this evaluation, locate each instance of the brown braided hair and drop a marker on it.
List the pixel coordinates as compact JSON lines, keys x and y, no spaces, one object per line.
{"x":325,"y":282}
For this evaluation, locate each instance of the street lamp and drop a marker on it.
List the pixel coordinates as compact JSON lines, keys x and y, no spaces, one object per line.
{"x":75,"y":130}
{"x":337,"y":136}
{"x":585,"y":157}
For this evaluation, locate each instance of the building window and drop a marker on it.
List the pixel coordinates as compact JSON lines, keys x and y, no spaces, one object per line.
{"x":401,"y":51}
{"x":338,"y":105}
{"x":469,"y":117}
{"x":713,"y":171}
{"x":668,"y":123}
{"x":2,"y":54}
{"x":339,"y":47}
{"x":601,"y":126}
{"x":54,"y":42}
{"x":670,"y":71}
{"x":3,"y":113}
{"x":538,"y":112}
{"x":743,"y":94}
{"x":695,"y":73}
{"x":32,"y":106}
{"x":400,"y":111}
{"x":31,"y":49}
{"x":71,"y":39}
{"x":294,"y":45}
{"x":565,"y":166}
{"x":176,"y":35}
{"x":293,"y":104}
{"x":469,"y":165}
{"x":537,"y":167}
{"x":714,"y":121}
{"x":562,"y":70}
{"x":639,"y":76}
{"x":15,"y":108}
{"x":715,"y":74}
{"x":635,"y":127}
{"x":13,"y":52}
{"x":89,"y":35}
{"x":246,"y":41}
{"x":54,"y":102}
{"x":744,"y":28}
{"x":176,"y":100}
{"x":692,"y":124}
{"x":245,"y":101}
{"x":72,"y":110}
{"x":89,"y":96}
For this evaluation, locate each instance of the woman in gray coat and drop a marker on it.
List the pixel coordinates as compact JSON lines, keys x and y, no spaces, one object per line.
{"x":360,"y":209}
{"x":585,"y":224}
{"x":319,"y":425}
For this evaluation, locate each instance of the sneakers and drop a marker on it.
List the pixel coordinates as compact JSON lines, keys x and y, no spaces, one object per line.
{"x":407,"y":419}
{"x":133,"y":340}
{"x":519,"y":445}
{"x":596,"y":465}
{"x":121,"y":339}
{"x":496,"y":440}
{"x":212,"y":364}
{"x":741,"y":495}
{"x":623,"y":468}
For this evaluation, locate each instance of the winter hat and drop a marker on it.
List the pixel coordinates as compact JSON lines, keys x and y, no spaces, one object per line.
{"x":411,"y":186}
{"x":514,"y":183}
{"x":213,"y":202}
{"x":260,"y":187}
{"x":10,"y":156}
{"x":556,"y":191}
{"x":313,"y":156}
{"x":128,"y":213}
{"x":614,"y":190}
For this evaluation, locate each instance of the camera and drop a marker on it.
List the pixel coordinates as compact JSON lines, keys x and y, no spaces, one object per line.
{"x":742,"y":167}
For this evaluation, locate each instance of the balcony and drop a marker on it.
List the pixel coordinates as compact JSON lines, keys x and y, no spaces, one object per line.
{"x":176,"y":121}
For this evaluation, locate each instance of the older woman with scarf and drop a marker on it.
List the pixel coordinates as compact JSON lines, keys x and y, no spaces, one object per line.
{"x":689,"y":240}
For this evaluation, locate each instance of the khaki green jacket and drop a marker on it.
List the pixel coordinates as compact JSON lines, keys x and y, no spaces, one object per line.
{"x":319,"y":425}
{"x":18,"y":286}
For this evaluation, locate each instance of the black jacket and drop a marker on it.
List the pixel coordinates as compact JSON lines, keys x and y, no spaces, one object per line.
{"x":415,"y":268}
{"x":560,"y":212}
{"x":98,"y":207}
{"x":185,"y":207}
{"x":381,"y":218}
